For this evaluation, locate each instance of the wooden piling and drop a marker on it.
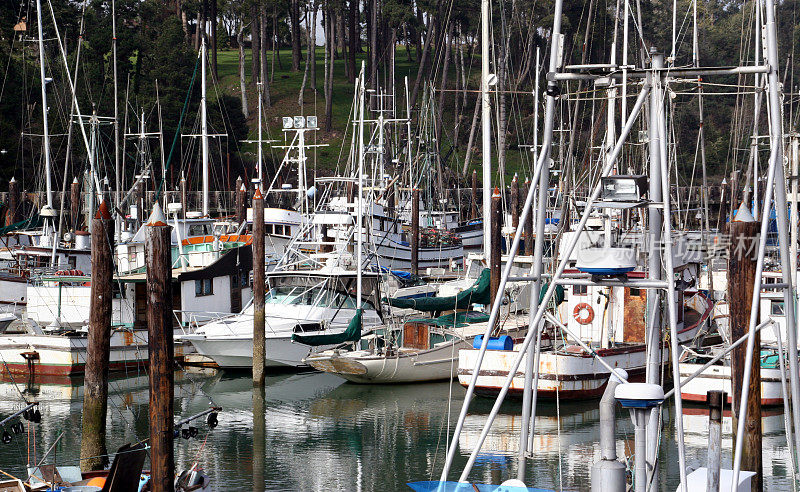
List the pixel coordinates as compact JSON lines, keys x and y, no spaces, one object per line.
{"x":75,"y":204}
{"x":474,"y":194}
{"x":98,"y":350}
{"x":184,"y":195}
{"x":495,"y":242}
{"x":259,"y":438}
{"x":734,"y":194}
{"x":414,"y":239}
{"x":161,"y":351}
{"x":716,"y":401}
{"x":258,"y":289}
{"x":741,"y":278}
{"x":241,"y":201}
{"x":12,"y":214}
{"x":528,"y":224}
{"x":515,"y":202}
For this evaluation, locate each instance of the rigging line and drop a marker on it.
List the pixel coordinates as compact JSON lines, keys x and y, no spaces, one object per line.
{"x":178,"y":129}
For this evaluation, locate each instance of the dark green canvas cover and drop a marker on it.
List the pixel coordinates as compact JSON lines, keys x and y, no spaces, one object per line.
{"x":477,"y":294}
{"x":351,"y":334}
{"x":33,"y":222}
{"x":558,"y":295}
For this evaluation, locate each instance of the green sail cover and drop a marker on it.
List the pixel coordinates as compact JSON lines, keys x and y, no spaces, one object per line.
{"x":477,"y":294}
{"x":29,"y":223}
{"x":351,"y":334}
{"x":558,"y":295}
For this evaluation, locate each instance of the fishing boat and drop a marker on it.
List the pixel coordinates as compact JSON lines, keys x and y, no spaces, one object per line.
{"x":298,"y":304}
{"x":604,"y":313}
{"x":421,"y":349}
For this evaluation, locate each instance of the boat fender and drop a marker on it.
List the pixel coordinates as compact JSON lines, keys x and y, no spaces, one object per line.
{"x":583,"y":313}
{"x":503,"y":342}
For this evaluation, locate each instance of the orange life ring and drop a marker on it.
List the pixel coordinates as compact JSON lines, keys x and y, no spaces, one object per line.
{"x":584,"y":320}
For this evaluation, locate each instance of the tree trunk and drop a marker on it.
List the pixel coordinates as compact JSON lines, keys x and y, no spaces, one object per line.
{"x":255,"y":45}
{"x":407,"y":42}
{"x":294,"y":18}
{"x":242,"y":81}
{"x":354,"y":42}
{"x":440,"y":103}
{"x":263,"y":71}
{"x":341,"y":46}
{"x":198,"y":30}
{"x":423,"y":61}
{"x":458,"y":60}
{"x":329,"y":78}
{"x":373,"y":44}
{"x":301,"y":95}
{"x":502,"y":121}
{"x":311,"y":48}
{"x":214,"y":38}
{"x":276,"y":46}
{"x":418,"y":32}
{"x":471,"y":140}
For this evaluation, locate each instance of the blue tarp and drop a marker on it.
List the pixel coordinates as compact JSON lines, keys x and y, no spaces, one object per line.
{"x":436,"y":486}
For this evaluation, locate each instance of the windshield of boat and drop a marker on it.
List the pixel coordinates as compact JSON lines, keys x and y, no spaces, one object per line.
{"x":314,"y":296}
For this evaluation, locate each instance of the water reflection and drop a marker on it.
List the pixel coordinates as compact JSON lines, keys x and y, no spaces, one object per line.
{"x":312,"y":431}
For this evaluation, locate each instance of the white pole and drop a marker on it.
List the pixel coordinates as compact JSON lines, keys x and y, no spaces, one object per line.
{"x":486,"y":132}
{"x":45,"y":126}
{"x":360,"y":210}
{"x":204,"y":128}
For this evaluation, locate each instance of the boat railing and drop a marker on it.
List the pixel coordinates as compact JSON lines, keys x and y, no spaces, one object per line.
{"x":190,"y":321}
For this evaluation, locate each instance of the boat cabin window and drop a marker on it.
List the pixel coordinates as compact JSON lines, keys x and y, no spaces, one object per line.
{"x":777,"y":308}
{"x":318,"y":296}
{"x":635,"y":292}
{"x":72,"y":261}
{"x":203,"y":287}
{"x":199,"y":230}
{"x":245,"y":276}
{"x":581,"y":290}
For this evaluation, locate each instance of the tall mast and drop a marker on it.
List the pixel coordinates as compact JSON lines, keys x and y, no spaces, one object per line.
{"x":260,"y":142}
{"x":45,"y":129}
{"x":360,"y":203}
{"x":204,"y":127}
{"x":117,"y":168}
{"x":486,"y":131}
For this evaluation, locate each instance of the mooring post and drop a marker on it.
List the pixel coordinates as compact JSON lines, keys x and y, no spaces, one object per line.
{"x":474,"y":194}
{"x":495,"y":241}
{"x":241,"y":200}
{"x":184,"y":195}
{"x":744,"y":235}
{"x":528,"y":225}
{"x":715,"y":399}
{"x":161,"y":351}
{"x":75,"y":204}
{"x":12,"y":215}
{"x":515,"y":202}
{"x":98,"y":350}
{"x":258,"y":289}
{"x":259,"y":439}
{"x":414,"y":239}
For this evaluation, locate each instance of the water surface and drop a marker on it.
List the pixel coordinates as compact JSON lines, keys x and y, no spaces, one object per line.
{"x":320,"y":433}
